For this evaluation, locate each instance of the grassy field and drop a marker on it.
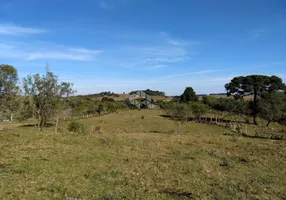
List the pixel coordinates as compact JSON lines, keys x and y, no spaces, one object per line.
{"x":138,"y":156}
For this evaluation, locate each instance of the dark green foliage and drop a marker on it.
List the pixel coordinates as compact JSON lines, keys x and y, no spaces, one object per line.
{"x":76,"y":127}
{"x":227,"y":104}
{"x":100,"y":109}
{"x":211,"y":101}
{"x":188,"y":95}
{"x":101,"y":94}
{"x":8,"y":89}
{"x":83,"y":105}
{"x":272,"y":106}
{"x":107,"y":99}
{"x":255,"y":85}
{"x":198,"y":108}
{"x":150,"y":92}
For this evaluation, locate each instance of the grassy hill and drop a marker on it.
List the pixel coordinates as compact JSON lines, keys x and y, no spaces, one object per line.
{"x":138,"y":156}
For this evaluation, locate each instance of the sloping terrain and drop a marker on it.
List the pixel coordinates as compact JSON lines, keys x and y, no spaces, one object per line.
{"x":140,"y":157}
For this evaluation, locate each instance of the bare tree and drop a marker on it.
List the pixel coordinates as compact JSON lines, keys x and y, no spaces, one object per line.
{"x":179,"y":113}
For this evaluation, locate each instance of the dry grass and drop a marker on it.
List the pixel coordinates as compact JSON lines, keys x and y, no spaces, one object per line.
{"x":123,"y":163}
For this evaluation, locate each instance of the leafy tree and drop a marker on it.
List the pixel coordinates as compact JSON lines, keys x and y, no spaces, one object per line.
{"x":180,"y":113}
{"x":198,"y":108}
{"x":44,"y":94}
{"x":100,"y":108}
{"x":188,"y":95}
{"x":272,"y":106}
{"x":211,"y":101}
{"x":8,"y":89}
{"x":255,"y":85}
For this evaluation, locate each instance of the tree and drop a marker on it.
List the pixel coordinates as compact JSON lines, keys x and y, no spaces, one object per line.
{"x":188,"y":95}
{"x":255,"y":85}
{"x":211,"y":101}
{"x":272,"y":106}
{"x":198,"y":108}
{"x":44,"y":94}
{"x":8,"y":89}
{"x":100,"y":108}
{"x":179,"y":113}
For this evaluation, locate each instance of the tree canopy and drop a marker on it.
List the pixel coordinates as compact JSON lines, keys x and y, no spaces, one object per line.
{"x":8,"y":89}
{"x":272,"y":106}
{"x":44,"y":94}
{"x":255,"y":85}
{"x":150,"y":92}
{"x":188,"y":95}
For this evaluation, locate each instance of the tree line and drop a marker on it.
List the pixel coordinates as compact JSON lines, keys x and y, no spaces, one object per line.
{"x":150,"y":92}
{"x":267,"y":100}
{"x":45,"y":98}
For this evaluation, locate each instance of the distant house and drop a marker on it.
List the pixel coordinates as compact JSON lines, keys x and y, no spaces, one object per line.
{"x":141,"y":100}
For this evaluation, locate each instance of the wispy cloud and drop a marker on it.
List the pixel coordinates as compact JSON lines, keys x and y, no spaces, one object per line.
{"x":158,"y":50}
{"x":64,"y":55}
{"x":23,"y":51}
{"x":111,"y":4}
{"x":106,"y":5}
{"x":189,"y":73}
{"x":258,"y":32}
{"x":6,"y":29}
{"x":177,"y":42}
{"x":153,"y":67}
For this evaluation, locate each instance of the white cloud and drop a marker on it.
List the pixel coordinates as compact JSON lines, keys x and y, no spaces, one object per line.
{"x":189,"y":73}
{"x":176,"y":42}
{"x":6,"y":29}
{"x":153,"y":67}
{"x":80,"y":54}
{"x":46,"y":51}
{"x":156,"y":52}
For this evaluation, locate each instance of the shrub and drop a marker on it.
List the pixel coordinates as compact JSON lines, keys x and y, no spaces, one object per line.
{"x":76,"y":127}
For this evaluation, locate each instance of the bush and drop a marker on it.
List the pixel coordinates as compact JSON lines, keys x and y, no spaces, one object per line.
{"x":76,"y":127}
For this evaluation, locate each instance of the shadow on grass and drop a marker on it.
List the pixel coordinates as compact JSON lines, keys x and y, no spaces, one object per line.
{"x":209,"y":119}
{"x":255,"y":136}
{"x":187,"y":195}
{"x":162,"y":132}
{"x":35,"y":125}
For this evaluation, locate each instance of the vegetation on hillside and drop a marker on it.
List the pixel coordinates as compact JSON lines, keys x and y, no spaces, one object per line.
{"x":150,"y":92}
{"x":129,"y":153}
{"x":140,"y":158}
{"x":102,"y":94}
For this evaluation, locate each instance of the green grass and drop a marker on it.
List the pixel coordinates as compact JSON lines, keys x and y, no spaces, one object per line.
{"x":205,"y":162}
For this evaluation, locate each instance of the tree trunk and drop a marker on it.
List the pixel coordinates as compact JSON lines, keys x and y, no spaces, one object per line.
{"x":11,"y":117}
{"x":254,"y":120}
{"x":57,"y":124}
{"x":254,"y":111}
{"x":268,"y":123}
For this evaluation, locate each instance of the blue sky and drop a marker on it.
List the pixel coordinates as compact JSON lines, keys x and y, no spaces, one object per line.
{"x":123,"y":45}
